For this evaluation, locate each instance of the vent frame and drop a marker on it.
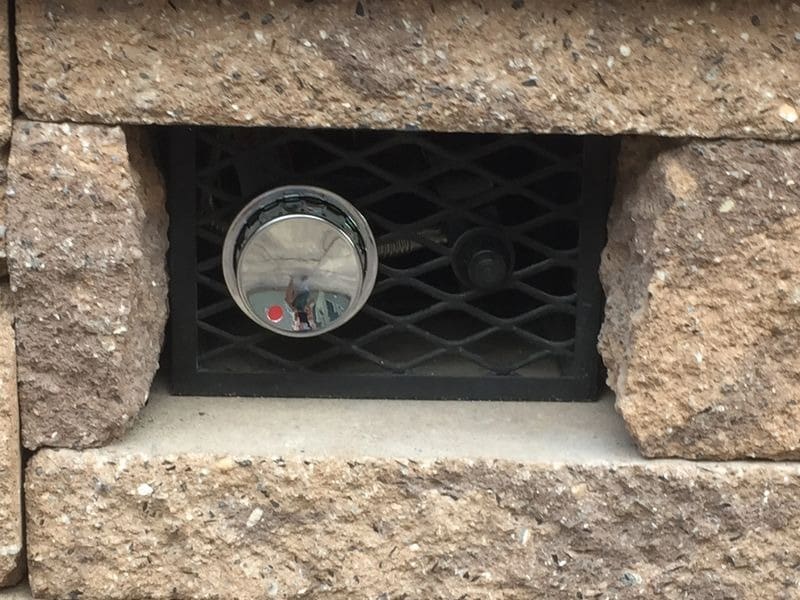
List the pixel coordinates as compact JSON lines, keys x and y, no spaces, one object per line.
{"x":188,"y":377}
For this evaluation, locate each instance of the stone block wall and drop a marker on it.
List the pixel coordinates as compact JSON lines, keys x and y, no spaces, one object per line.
{"x":11,"y":543}
{"x":259,"y":527}
{"x":722,"y":69}
{"x":701,"y":271}
{"x":86,"y":250}
{"x":702,"y":277}
{"x":610,"y":68}
{"x":12,"y":553}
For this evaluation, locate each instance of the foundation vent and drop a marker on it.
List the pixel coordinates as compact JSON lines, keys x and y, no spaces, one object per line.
{"x":487,"y":250}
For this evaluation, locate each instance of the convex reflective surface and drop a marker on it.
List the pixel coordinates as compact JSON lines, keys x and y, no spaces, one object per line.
{"x":300,"y":260}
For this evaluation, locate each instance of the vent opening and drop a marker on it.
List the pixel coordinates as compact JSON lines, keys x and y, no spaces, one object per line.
{"x":488,"y":249}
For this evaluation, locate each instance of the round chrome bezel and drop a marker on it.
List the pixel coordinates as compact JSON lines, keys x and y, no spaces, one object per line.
{"x":237,"y":238}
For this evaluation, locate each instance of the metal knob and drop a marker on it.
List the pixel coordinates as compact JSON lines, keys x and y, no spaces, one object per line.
{"x":300,"y":261}
{"x":483,"y":258}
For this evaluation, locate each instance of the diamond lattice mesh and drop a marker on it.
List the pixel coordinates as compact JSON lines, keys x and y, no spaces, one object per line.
{"x":421,"y":193}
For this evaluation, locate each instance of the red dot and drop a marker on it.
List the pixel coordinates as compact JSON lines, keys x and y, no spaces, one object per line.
{"x":274,"y":313}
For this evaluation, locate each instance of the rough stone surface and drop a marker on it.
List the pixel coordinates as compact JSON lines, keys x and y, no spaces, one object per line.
{"x":5,"y":124}
{"x":86,"y":250}
{"x":11,"y":551}
{"x":702,"y":276}
{"x":713,"y":69}
{"x":3,"y":203}
{"x":105,"y":525}
{"x":3,"y":211}
{"x":6,"y":108}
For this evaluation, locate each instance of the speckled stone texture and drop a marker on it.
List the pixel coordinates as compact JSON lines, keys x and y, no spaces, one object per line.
{"x":103,"y":525}
{"x":5,"y":124}
{"x":3,"y":203}
{"x":666,"y":67}
{"x":11,"y":550}
{"x":86,"y":250}
{"x":702,"y":276}
{"x":6,"y":108}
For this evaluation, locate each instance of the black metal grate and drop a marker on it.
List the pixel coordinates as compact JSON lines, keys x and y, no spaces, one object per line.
{"x":424,"y":333}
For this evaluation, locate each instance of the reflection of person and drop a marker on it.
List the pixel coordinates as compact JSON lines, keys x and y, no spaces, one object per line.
{"x":299,"y":298}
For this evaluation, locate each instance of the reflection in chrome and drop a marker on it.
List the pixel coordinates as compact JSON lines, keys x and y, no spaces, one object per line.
{"x":300,"y":261}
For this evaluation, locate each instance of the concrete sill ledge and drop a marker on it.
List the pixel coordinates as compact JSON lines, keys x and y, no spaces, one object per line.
{"x":421,"y":430}
{"x":20,"y":592}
